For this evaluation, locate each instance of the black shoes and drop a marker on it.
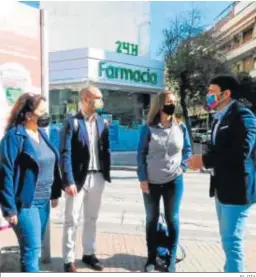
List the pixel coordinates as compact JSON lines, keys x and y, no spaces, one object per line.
{"x":70,"y":267}
{"x":93,"y":262}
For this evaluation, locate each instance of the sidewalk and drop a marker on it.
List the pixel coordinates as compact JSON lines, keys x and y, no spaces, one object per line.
{"x":126,"y":253}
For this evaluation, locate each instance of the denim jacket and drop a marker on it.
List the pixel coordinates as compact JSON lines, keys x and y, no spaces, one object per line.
{"x":143,"y":151}
{"x":19,"y":171}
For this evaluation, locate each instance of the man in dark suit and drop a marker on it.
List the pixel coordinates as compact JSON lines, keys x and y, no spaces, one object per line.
{"x":85,"y":163}
{"x":231,"y":158}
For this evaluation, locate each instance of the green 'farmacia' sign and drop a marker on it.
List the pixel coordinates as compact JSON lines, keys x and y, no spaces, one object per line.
{"x":127,"y":74}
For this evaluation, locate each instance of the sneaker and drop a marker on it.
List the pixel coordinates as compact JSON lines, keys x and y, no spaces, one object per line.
{"x":93,"y":262}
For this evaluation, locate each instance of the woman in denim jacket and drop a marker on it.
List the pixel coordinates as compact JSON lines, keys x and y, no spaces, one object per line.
{"x":29,"y":176}
{"x":163,"y":150}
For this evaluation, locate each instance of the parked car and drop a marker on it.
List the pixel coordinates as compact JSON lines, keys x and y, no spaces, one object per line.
{"x":206,"y":137}
{"x":198,"y":133}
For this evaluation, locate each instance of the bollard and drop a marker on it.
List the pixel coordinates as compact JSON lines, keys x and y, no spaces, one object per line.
{"x":46,"y":247}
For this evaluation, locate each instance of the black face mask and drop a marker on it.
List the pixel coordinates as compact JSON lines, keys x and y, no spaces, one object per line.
{"x":169,"y":109}
{"x":44,"y":121}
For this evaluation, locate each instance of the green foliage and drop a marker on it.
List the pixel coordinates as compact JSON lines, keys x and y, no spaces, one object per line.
{"x":190,"y":50}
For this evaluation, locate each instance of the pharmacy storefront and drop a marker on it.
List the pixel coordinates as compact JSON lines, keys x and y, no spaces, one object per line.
{"x":126,"y":81}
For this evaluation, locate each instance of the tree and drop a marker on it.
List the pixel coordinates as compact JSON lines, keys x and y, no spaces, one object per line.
{"x":192,"y":58}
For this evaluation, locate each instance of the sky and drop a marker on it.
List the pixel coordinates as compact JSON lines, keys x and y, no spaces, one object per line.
{"x":164,"y":11}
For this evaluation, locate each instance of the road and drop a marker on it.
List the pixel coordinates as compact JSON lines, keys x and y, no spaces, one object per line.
{"x":122,"y":209}
{"x":129,"y":158}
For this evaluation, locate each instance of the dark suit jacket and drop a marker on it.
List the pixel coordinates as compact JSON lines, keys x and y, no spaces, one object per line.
{"x":232,"y":157}
{"x":75,"y":154}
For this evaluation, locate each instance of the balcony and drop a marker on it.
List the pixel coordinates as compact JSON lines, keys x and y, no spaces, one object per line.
{"x":228,"y":24}
{"x":242,"y":51}
{"x":253,"y":73}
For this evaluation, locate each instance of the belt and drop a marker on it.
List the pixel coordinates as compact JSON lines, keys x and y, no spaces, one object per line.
{"x":94,"y":171}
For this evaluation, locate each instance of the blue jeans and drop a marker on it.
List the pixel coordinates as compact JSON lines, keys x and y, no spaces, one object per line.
{"x":32,"y":223}
{"x":172,"y":193}
{"x":232,"y":219}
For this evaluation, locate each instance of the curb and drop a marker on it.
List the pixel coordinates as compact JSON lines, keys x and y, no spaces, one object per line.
{"x":134,"y":168}
{"x":124,"y":167}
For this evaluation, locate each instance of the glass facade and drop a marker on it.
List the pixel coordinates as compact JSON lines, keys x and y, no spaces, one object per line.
{"x":63,"y":103}
{"x":128,"y":109}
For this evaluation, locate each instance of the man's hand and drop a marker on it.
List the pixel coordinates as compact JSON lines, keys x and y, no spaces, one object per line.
{"x":71,"y":190}
{"x":55,"y":203}
{"x":12,"y":219}
{"x":144,"y":186}
{"x":195,"y":162}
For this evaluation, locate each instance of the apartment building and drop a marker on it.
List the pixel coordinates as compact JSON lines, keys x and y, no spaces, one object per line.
{"x":235,"y":31}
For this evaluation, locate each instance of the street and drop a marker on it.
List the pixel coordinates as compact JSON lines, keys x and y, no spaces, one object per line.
{"x":122,"y":208}
{"x":128,"y":158}
{"x":121,"y":241}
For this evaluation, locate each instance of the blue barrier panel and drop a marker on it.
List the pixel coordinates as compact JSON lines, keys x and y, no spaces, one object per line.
{"x":121,"y":137}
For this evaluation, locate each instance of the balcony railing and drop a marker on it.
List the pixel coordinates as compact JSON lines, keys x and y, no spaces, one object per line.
{"x":227,"y":23}
{"x":243,"y":49}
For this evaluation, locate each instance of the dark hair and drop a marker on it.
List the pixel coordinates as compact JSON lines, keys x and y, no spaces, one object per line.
{"x":241,"y":86}
{"x":227,"y":82}
{"x":27,"y":102}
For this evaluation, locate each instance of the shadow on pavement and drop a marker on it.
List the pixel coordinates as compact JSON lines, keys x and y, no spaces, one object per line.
{"x":115,"y":263}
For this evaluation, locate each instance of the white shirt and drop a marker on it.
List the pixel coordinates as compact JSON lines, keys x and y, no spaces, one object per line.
{"x":91,"y":126}
{"x":219,"y":116}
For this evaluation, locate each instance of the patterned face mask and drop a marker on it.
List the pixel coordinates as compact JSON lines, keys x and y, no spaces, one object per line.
{"x":211,"y":101}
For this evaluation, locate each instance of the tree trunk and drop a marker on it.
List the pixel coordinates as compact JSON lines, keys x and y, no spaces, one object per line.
{"x":183,"y":88}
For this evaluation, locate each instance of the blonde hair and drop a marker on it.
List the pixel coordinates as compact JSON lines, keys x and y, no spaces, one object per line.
{"x":156,"y":107}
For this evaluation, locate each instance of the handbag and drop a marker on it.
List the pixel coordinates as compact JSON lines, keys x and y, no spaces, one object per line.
{"x":162,"y":242}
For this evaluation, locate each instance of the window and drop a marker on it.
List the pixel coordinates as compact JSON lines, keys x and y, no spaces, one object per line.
{"x":63,"y":103}
{"x":247,"y":35}
{"x":248,"y":64}
{"x":125,"y":107}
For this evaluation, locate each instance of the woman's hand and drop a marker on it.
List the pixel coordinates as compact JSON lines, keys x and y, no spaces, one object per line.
{"x":144,"y":187}
{"x":13,"y":220}
{"x":55,"y":203}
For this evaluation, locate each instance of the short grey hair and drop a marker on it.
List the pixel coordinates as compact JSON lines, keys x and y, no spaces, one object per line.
{"x":87,"y":89}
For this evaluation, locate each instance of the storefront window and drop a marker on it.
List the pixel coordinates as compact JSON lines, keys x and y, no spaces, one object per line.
{"x":62,"y":104}
{"x":126,"y":108}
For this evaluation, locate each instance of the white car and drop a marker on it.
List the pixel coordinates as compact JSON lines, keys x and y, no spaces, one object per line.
{"x":206,"y":137}
{"x":198,"y":133}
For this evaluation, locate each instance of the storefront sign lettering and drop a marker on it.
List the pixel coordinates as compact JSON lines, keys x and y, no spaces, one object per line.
{"x":127,"y":74}
{"x":127,"y":48}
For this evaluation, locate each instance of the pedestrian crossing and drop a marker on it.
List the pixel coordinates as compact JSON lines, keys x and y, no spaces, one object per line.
{"x":122,"y":209}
